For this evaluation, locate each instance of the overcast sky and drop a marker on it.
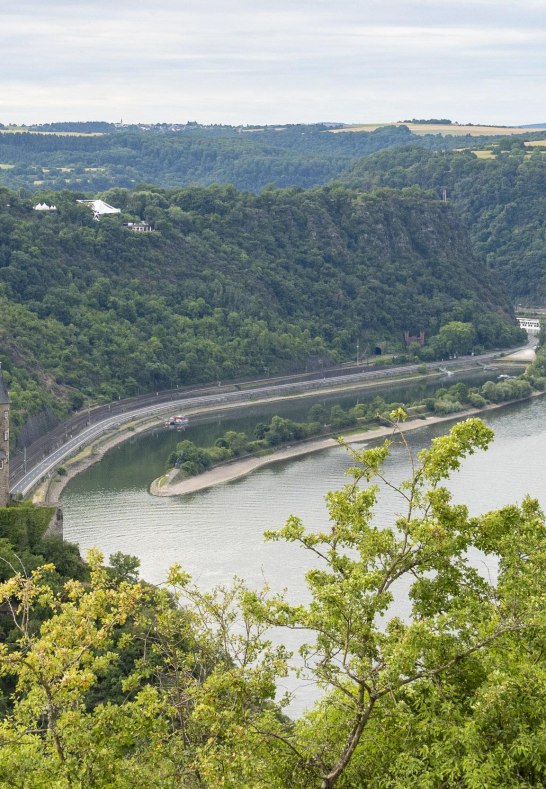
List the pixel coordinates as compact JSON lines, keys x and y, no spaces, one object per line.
{"x":273,"y":61}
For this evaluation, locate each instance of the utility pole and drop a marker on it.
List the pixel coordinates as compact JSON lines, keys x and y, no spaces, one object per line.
{"x":358,"y":352}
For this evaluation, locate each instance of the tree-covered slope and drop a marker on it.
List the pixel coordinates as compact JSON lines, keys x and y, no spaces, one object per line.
{"x":502,"y":200}
{"x":250,"y":159}
{"x":228,"y":284}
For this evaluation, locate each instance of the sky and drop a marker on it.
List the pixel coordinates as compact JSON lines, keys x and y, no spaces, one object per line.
{"x":273,"y":61}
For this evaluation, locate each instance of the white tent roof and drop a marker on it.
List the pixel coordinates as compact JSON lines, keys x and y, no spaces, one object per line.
{"x":100,"y":207}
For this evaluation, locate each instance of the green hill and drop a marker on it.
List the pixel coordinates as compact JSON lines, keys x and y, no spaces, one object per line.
{"x":248,"y":158}
{"x":228,"y":284}
{"x":502,"y":200}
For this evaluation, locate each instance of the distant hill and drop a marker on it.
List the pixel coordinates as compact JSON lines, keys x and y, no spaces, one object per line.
{"x":94,"y":157}
{"x":500,"y":193}
{"x":447,"y":129}
{"x":227,"y":284}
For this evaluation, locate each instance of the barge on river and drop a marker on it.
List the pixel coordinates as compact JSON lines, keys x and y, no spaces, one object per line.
{"x":177,"y":422}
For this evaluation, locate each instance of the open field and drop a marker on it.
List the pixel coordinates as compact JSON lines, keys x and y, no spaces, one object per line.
{"x":488,"y":153}
{"x":484,"y":154}
{"x":444,"y":128}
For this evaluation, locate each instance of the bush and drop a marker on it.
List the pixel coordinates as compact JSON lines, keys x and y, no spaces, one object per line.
{"x":476,"y":400}
{"x":444,"y":407}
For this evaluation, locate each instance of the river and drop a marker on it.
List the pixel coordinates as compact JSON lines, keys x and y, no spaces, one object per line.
{"x":217,"y":533}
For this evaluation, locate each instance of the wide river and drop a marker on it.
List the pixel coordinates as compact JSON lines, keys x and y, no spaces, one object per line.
{"x":217,"y":533}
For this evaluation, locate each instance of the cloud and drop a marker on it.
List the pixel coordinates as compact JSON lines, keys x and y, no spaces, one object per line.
{"x":259,"y":60}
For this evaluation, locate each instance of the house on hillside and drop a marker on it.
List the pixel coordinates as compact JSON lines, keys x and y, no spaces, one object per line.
{"x":45,"y":207}
{"x":139,"y":227}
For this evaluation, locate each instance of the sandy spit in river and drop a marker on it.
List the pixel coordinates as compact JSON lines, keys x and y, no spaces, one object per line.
{"x":227,"y":472}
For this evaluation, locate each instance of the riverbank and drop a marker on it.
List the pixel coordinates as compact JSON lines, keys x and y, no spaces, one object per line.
{"x":50,"y":489}
{"x":233,"y":470}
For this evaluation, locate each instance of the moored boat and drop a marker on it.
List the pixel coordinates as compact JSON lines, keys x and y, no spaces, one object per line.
{"x":177,"y":422}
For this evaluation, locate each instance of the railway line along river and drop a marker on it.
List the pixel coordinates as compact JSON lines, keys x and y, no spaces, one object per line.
{"x":218,"y":533}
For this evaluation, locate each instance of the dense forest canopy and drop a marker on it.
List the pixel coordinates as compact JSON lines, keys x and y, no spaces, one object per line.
{"x":227,"y":284}
{"x":250,"y":158}
{"x":501,"y":198}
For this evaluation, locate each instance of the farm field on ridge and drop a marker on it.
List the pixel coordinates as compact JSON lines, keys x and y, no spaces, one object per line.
{"x":443,"y":128}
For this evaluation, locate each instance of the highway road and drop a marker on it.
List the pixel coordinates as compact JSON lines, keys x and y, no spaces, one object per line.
{"x":69,"y":438}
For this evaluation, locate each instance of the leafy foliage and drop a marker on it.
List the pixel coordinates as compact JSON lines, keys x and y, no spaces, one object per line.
{"x":501,"y":199}
{"x":228,"y":284}
{"x":124,"y":684}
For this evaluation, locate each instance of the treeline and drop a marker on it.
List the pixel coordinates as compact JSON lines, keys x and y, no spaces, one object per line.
{"x":248,"y":158}
{"x":433,"y":121}
{"x":191,"y":459}
{"x":75,"y":127}
{"x":502,"y":200}
{"x":227,"y":285}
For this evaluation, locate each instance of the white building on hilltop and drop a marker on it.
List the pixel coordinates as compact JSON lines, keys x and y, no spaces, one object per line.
{"x":100,"y":208}
{"x":531,"y":325}
{"x":45,"y":207}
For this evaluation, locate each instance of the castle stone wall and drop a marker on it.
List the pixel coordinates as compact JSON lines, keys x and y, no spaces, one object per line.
{"x":4,"y":454}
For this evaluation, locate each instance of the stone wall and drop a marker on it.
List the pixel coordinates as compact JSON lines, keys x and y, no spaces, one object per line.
{"x":4,"y":454}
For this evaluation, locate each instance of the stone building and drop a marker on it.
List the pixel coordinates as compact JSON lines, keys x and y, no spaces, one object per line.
{"x":4,"y":444}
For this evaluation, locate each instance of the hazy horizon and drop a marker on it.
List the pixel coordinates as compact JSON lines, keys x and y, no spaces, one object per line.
{"x":272,"y":124}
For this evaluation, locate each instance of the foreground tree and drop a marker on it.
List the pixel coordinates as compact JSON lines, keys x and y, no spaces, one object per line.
{"x":369,"y":661}
{"x":128,"y":685}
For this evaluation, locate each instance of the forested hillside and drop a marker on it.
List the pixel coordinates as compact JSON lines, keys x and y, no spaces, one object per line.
{"x":227,"y":284}
{"x":247,"y":158}
{"x":502,"y":199}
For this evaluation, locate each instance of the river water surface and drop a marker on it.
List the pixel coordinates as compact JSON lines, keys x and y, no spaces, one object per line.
{"x":218,"y":533}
